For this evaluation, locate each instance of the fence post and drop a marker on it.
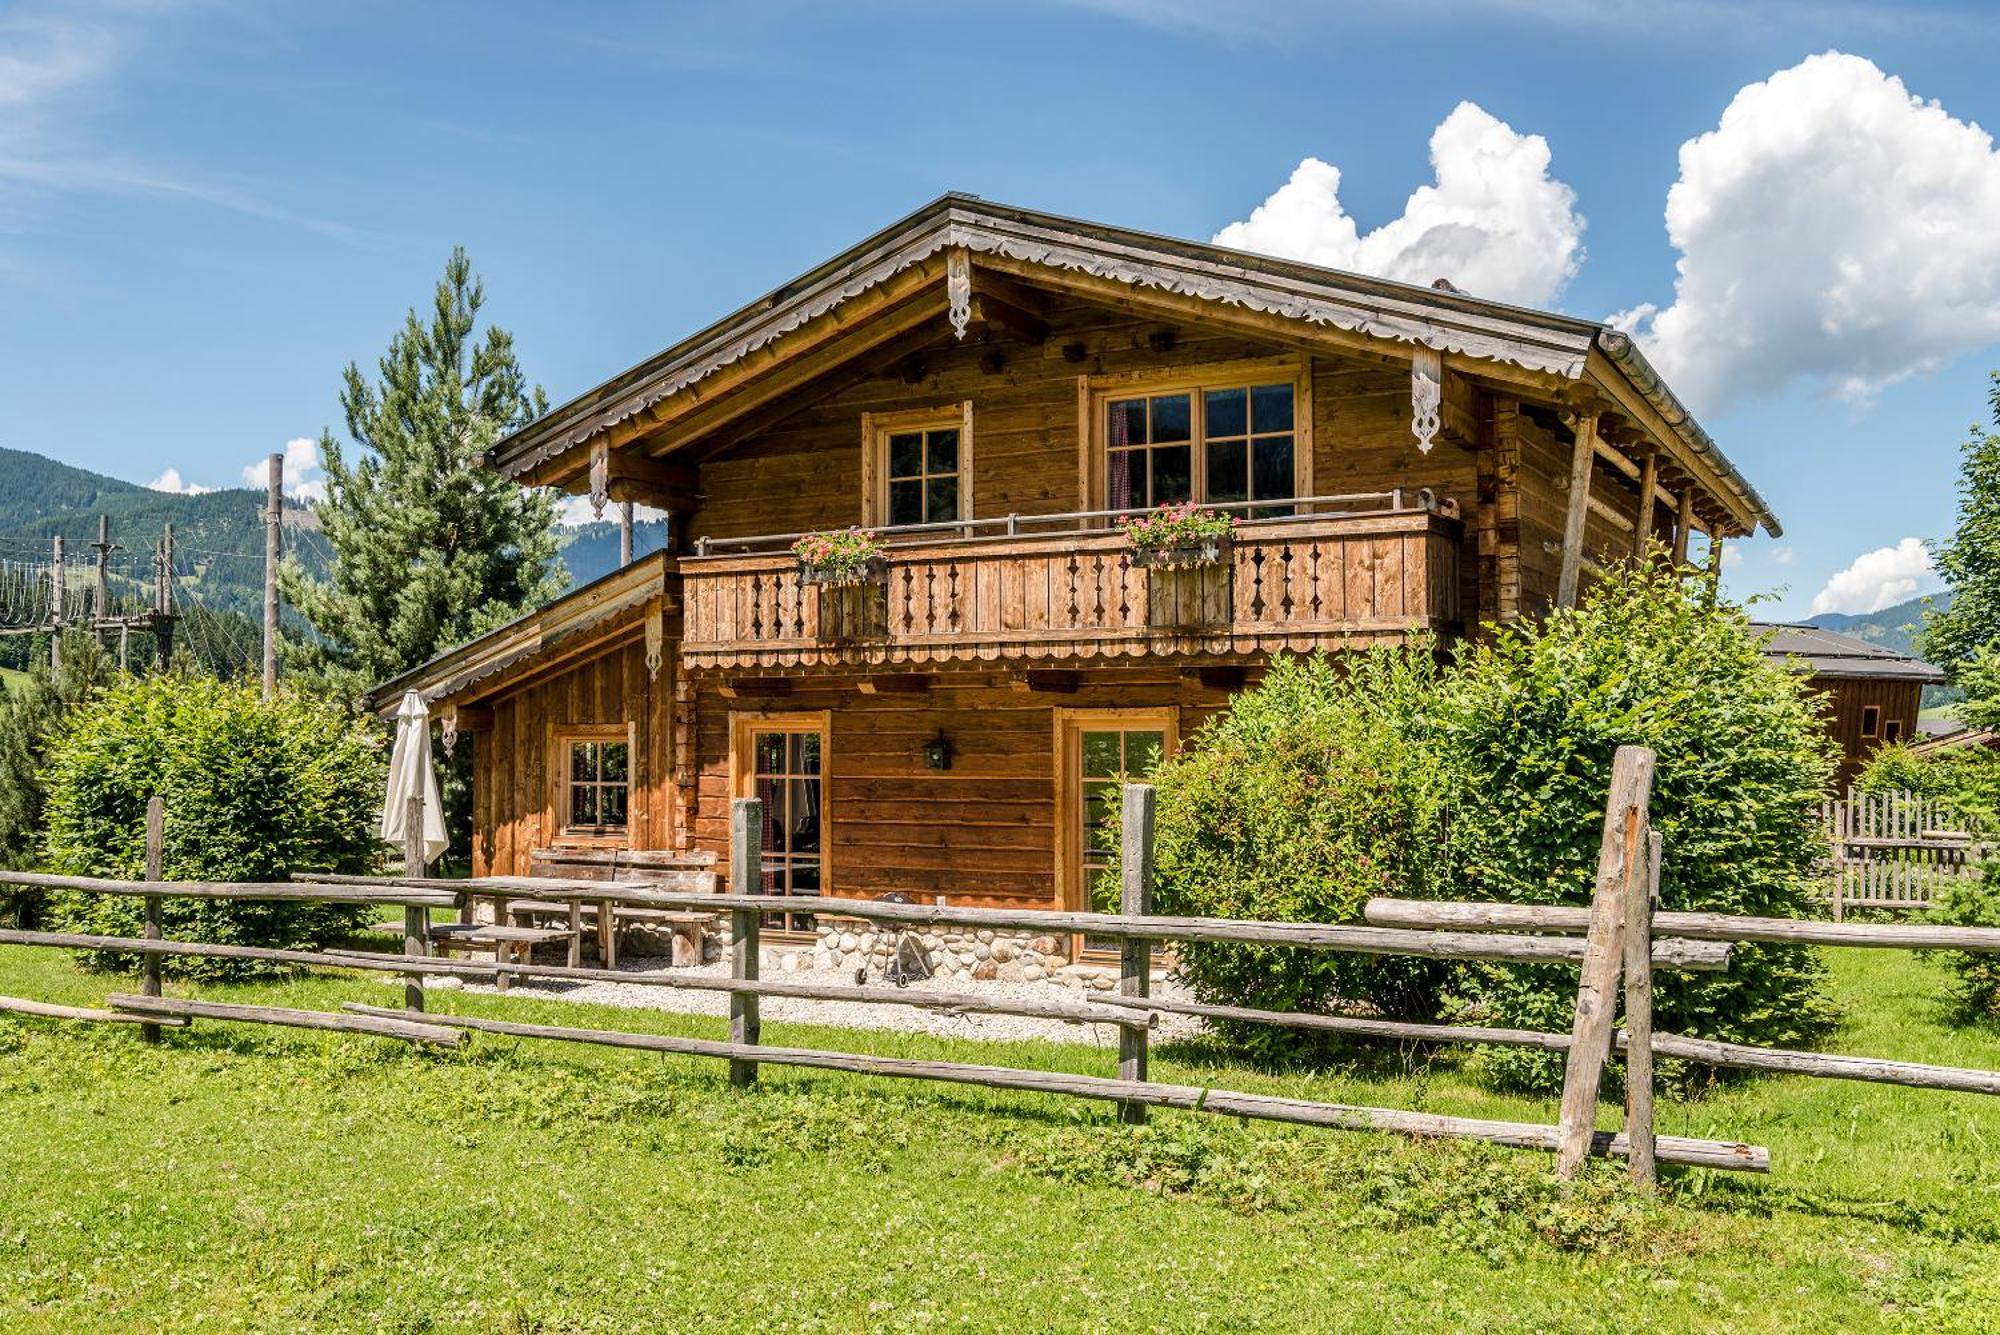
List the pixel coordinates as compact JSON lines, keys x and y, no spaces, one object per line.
{"x":746,"y":877}
{"x":149,"y":968}
{"x":1639,"y":1017}
{"x":1620,"y":861}
{"x":416,"y":921}
{"x":1135,"y":900}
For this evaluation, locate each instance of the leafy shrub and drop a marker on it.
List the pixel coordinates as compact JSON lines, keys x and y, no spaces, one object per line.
{"x":1316,"y":790}
{"x":1973,"y":903}
{"x":30,"y":713}
{"x":1533,"y":717}
{"x":254,"y":790}
{"x":1965,"y":781}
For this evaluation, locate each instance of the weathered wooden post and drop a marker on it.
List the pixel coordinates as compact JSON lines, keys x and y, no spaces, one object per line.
{"x":746,"y":877}
{"x":1620,"y":862}
{"x":1639,"y":906}
{"x":1135,"y":900}
{"x":416,"y":920}
{"x":149,"y":968}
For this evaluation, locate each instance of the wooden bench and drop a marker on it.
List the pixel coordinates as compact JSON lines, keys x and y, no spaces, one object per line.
{"x":514,"y":944}
{"x":688,"y":930}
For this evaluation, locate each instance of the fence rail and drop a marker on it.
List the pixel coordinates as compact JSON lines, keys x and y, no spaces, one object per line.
{"x":1616,"y":943}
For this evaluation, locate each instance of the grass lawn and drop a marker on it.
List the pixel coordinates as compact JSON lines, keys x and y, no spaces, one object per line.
{"x":240,"y":1177}
{"x":13,"y":678}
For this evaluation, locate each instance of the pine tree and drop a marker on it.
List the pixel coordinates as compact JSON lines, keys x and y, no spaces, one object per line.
{"x":1955,"y":637}
{"x":431,"y":548}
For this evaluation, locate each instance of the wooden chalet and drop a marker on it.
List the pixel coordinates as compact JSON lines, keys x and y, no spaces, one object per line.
{"x":1873,"y":693}
{"x":990,"y":388}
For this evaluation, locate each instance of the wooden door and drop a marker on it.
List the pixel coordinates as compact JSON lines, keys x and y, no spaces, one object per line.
{"x":1097,"y":751}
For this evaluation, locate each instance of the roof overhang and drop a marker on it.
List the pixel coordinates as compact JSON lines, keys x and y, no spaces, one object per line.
{"x":1544,"y":352}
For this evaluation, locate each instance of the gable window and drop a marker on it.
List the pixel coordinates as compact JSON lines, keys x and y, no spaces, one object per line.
{"x":1871,"y":720}
{"x":597,"y":783}
{"x":917,"y":468}
{"x":1223,"y":435}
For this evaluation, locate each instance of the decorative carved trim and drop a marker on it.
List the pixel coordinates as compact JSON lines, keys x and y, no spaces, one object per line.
{"x":1426,"y":395}
{"x":1370,"y":313}
{"x":656,"y":634}
{"x":600,"y":477}
{"x":450,"y":722}
{"x":958,"y":289}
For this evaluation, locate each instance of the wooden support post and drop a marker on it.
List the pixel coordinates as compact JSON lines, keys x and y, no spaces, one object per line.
{"x":1135,"y":899}
{"x":149,"y":968}
{"x":1639,"y":1018}
{"x":1620,"y":861}
{"x":1683,"y":520}
{"x":624,"y":534}
{"x":746,"y":877}
{"x":274,"y":517}
{"x":1649,"y":487}
{"x":576,"y":931}
{"x":416,"y":921}
{"x":1581,"y":459}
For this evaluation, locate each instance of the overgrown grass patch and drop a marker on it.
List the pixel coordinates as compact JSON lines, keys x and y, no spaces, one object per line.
{"x":239,"y":1177}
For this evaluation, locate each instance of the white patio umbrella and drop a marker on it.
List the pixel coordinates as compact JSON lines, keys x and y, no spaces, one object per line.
{"x":411,"y":774}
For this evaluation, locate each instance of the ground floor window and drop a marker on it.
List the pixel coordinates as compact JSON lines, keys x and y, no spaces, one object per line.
{"x":781,"y":761}
{"x":1099,"y":750}
{"x":595,"y":800}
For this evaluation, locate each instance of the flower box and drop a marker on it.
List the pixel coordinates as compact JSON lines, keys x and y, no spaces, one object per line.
{"x":1179,"y":536}
{"x":1183,"y":556}
{"x":874,"y":570}
{"x":841,"y":557}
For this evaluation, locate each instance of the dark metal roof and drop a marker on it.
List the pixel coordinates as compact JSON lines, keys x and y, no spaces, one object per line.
{"x":1827,"y":653}
{"x":1449,"y":320}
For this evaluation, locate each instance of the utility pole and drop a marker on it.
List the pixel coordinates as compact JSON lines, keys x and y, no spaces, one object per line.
{"x":274,"y":518}
{"x":624,"y":533}
{"x":56,"y":581}
{"x":163,"y":628}
{"x":102,"y":607}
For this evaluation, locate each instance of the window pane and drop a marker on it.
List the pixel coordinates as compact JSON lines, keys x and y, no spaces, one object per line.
{"x":1102,"y":756}
{"x":906,"y":502}
{"x":1228,"y":479}
{"x":806,"y":759}
{"x":1271,"y":408}
{"x":941,"y":499}
{"x":906,"y":454}
{"x":771,"y":793}
{"x":944,"y":452}
{"x":1273,"y":480}
{"x":770,"y":751}
{"x":1173,"y":469}
{"x":582,"y":804}
{"x":612,"y":799}
{"x":583,"y":760}
{"x":805,"y":877}
{"x":1143,"y":751}
{"x":803,"y":814}
{"x":1128,"y":423}
{"x":1226,"y":409}
{"x":1172,"y":418}
{"x":1128,"y":480}
{"x":616,"y":758}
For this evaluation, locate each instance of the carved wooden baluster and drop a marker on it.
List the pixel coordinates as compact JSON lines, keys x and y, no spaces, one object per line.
{"x":1257,"y":603}
{"x":756,"y":606}
{"x":909,"y":594}
{"x":798,"y":588}
{"x":1317,"y":605}
{"x":1285,"y":600}
{"x":1124,"y":595}
{"x":1070,"y":614}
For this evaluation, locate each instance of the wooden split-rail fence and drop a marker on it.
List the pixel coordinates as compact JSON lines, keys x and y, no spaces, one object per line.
{"x":1616,"y":943}
{"x":1893,"y":851}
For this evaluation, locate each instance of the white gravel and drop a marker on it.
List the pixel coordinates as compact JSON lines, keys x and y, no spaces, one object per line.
{"x":851,"y":1014}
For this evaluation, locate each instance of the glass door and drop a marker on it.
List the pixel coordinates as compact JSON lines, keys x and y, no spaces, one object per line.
{"x":786,"y":763}
{"x":1102,"y":750}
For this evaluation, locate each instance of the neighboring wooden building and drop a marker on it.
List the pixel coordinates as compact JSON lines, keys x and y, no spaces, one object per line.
{"x":990,"y":388}
{"x":1873,"y":694}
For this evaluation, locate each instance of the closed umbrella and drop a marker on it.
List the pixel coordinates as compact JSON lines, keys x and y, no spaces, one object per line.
{"x":411,"y":775}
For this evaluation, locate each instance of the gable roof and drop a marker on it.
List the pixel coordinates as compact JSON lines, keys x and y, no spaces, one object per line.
{"x":1826,"y":653}
{"x":1448,"y":321}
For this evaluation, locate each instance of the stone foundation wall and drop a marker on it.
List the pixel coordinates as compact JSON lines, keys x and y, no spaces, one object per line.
{"x":954,"y":955}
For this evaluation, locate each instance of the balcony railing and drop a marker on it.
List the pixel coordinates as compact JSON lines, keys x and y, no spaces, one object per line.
{"x":1010,"y":588}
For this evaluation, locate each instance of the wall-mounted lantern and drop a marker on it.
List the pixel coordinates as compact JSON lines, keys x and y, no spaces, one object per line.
{"x":937,"y":752}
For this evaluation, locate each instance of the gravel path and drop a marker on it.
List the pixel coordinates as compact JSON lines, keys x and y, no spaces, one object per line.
{"x":851,"y":1014}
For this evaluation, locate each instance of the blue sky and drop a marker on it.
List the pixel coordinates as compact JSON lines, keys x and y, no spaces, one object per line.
{"x":208,"y":208}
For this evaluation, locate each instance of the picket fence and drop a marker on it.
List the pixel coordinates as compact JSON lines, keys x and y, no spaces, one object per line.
{"x":1893,"y":851}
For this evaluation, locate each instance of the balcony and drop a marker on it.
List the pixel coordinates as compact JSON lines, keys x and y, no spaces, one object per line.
{"x":1342,"y":570}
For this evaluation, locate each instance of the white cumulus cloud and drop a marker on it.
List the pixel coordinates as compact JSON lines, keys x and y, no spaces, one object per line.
{"x":1877,"y":579}
{"x":1495,"y":223}
{"x":172,"y":481}
{"x":575,"y":511}
{"x":304,"y":480}
{"x":1833,"y":229}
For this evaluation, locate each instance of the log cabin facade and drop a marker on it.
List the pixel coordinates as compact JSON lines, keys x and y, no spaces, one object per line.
{"x":990,"y":389}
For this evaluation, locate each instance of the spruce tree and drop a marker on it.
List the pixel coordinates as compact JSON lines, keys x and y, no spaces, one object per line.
{"x":430,"y":547}
{"x":1956,"y":637}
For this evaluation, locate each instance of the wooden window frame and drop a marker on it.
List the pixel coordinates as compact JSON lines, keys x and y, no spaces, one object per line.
{"x":876,"y":428}
{"x":560,"y":737}
{"x":1070,"y":725}
{"x":1095,"y":393}
{"x":1892,"y":731}
{"x":743,"y":782}
{"x":1871,"y":722}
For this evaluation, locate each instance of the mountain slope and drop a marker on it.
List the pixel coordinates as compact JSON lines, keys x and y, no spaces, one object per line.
{"x":1892,"y":627}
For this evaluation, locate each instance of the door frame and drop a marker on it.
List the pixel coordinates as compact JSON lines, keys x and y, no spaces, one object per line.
{"x":1070,"y":725}
{"x":743,"y":781}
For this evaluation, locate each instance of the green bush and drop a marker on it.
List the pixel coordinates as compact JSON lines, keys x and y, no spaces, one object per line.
{"x":1973,"y":903}
{"x":1316,"y":790}
{"x":1532,"y":719}
{"x":254,"y":790}
{"x":1964,"y":781}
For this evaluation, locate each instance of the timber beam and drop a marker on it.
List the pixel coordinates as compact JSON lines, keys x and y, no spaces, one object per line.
{"x":753,"y":688}
{"x":1058,"y":681}
{"x":902,"y":683}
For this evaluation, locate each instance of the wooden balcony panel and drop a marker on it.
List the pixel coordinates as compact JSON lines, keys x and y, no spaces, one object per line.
{"x":1295,"y":585}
